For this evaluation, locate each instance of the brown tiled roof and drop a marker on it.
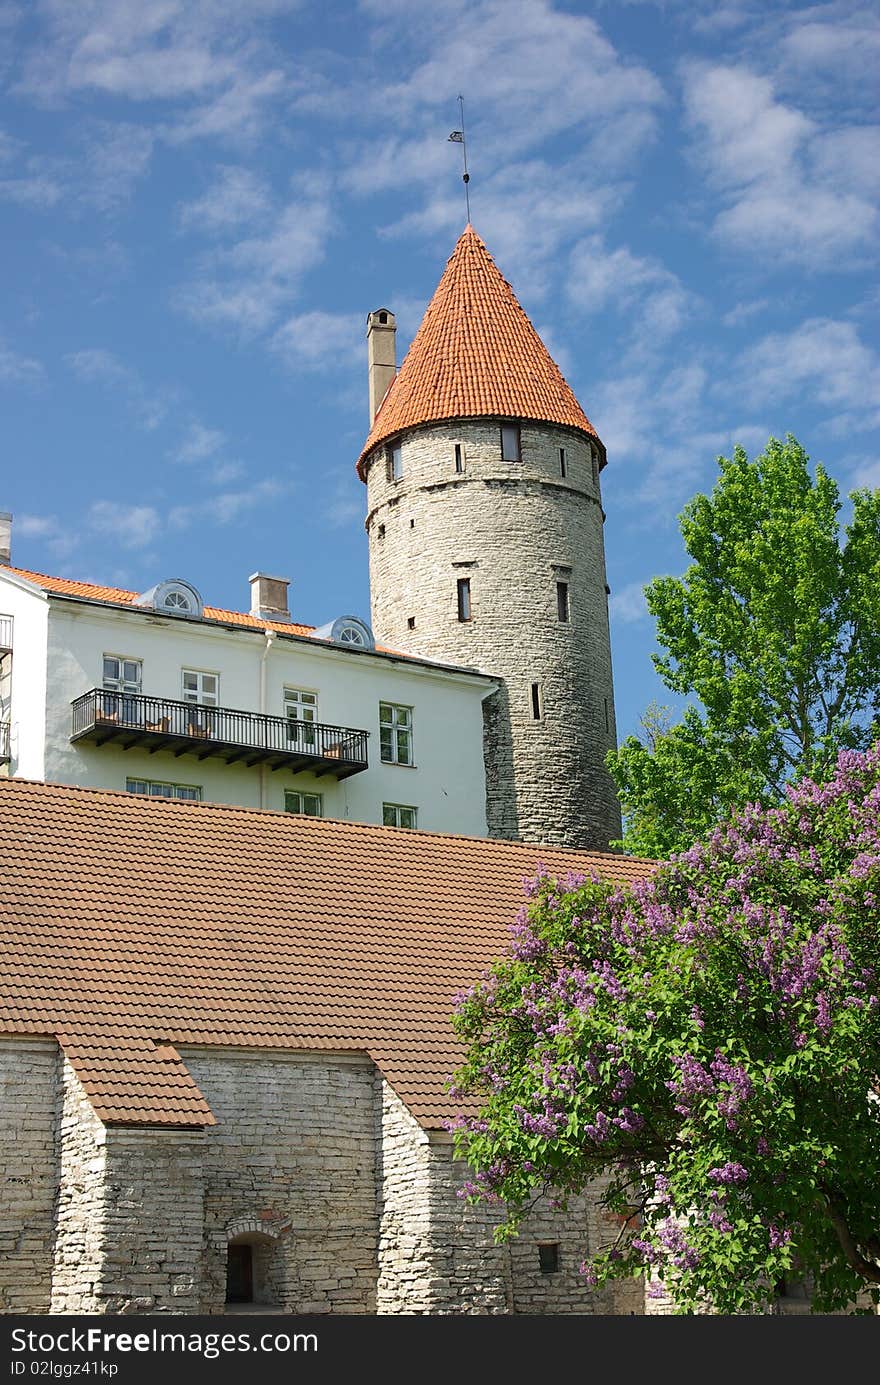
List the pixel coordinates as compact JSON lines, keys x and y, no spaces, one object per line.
{"x":475,"y":354}
{"x":128,"y":922}
{"x":66,"y":586}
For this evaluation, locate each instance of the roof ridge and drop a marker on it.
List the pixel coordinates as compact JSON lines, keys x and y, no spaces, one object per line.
{"x":189,"y":805}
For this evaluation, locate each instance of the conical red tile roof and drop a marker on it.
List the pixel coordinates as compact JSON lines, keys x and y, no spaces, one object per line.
{"x":475,"y":354}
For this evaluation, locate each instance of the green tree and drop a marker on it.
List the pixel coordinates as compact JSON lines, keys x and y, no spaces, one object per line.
{"x":707,"y":1041}
{"x":775,"y":628}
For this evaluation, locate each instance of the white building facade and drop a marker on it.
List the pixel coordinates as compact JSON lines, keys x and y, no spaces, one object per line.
{"x":155,"y":694}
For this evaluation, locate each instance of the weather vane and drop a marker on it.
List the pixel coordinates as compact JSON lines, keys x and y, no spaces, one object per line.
{"x":457,"y":137}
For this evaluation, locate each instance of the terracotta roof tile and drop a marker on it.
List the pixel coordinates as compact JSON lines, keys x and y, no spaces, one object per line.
{"x":475,"y":353}
{"x":66,"y":586}
{"x":127,"y":923}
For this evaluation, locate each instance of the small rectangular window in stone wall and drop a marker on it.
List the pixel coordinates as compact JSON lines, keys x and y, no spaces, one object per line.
{"x":537,"y":702}
{"x":395,"y":460}
{"x":562,"y":601}
{"x":464,"y":598}
{"x":562,"y":468}
{"x":459,"y":457}
{"x":511,"y":450}
{"x":548,"y":1258}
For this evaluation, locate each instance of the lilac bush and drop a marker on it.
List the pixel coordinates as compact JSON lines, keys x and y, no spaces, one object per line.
{"x":708,"y":1042}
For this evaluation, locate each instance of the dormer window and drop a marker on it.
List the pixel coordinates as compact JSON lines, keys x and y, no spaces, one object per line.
{"x":511,"y":449}
{"x":350,"y":631}
{"x":173,"y":597}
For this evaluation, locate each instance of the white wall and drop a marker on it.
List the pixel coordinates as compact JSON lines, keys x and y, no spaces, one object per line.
{"x":447,"y":786}
{"x":26,"y":711}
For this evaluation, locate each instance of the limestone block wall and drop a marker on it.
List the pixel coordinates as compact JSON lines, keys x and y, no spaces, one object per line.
{"x":436,"y":1254}
{"x":291,"y":1165}
{"x":129,"y":1217}
{"x":515,"y":530}
{"x":28,"y":1159}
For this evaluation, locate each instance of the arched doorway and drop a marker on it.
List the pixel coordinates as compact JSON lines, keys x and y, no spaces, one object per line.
{"x":249,"y":1270}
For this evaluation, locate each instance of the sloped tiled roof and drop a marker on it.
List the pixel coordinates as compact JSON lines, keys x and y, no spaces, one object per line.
{"x":475,"y":354}
{"x":66,"y":586}
{"x":129,"y":923}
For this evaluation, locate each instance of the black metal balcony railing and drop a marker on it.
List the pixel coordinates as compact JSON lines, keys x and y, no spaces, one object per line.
{"x":5,"y":753}
{"x":185,"y":728}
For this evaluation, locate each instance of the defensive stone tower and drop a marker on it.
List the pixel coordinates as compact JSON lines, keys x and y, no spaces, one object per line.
{"x":485,"y":536}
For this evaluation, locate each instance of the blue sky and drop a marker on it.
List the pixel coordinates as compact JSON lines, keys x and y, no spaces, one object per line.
{"x":202,"y":199}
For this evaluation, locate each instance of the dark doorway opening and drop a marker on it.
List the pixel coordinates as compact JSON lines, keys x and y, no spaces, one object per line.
{"x":240,"y":1274}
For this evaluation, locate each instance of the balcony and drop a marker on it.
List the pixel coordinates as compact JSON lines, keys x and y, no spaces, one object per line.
{"x":5,"y":753}
{"x":184,"y":728}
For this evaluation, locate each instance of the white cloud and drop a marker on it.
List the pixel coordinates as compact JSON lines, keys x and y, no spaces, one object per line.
{"x":844,"y":47}
{"x":96,"y":366}
{"x":37,"y":190}
{"x":320,"y":340}
{"x":134,"y":526}
{"x":238,"y":197}
{"x":745,"y":311}
{"x":247,"y":284}
{"x":199,"y":443}
{"x":229,"y":505}
{"x":793,"y":191}
{"x":18,"y":369}
{"x":866,"y":474}
{"x":628,"y":605}
{"x":823,"y":358}
{"x":61,"y":540}
{"x":599,"y":277}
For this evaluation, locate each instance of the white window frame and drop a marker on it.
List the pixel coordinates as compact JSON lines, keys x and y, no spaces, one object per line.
{"x":302,"y":810}
{"x":397,"y":727}
{"x":396,"y":810}
{"x":506,"y":429}
{"x":153,"y":788}
{"x":201,"y":697}
{"x":121,"y":683}
{"x":395,"y":459}
{"x":298,"y":703}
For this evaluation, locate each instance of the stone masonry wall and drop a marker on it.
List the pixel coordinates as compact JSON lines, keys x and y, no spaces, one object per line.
{"x":437,"y":1253}
{"x":129,"y":1219}
{"x":291,"y":1165}
{"x":28,"y":1158}
{"x":515,"y":529}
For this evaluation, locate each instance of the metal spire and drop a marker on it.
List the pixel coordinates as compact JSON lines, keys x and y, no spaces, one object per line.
{"x":457,"y":137}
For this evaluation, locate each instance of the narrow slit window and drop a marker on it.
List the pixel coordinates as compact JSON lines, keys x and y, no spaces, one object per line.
{"x":537,"y":709}
{"x":511,"y":450}
{"x":595,"y":459}
{"x":464,"y":598}
{"x":459,"y":460}
{"x":562,"y":468}
{"x":562,"y":601}
{"x":395,"y":460}
{"x":381,"y":531}
{"x":411,"y":623}
{"x":607,"y":718}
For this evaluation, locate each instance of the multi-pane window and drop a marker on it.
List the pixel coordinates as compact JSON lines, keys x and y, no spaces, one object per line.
{"x":398,"y":815}
{"x":510,"y":443}
{"x":464,"y":598}
{"x":154,"y":788}
{"x":562,"y":601}
{"x":310,"y":805}
{"x":202,"y":688}
{"x":395,"y":734}
{"x":301,"y":710}
{"x":121,"y":676}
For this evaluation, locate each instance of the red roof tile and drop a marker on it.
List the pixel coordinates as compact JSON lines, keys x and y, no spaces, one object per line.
{"x":475,"y":354}
{"x":127,"y":923}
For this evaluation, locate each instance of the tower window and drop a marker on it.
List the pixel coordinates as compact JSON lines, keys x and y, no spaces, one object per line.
{"x":395,"y":460}
{"x":562,"y":469}
{"x":595,"y":458}
{"x":383,"y":318}
{"x":607,"y":718}
{"x":562,"y":601}
{"x":412,"y":524}
{"x":548,"y":1258}
{"x":464,"y":598}
{"x":537,"y":707}
{"x":511,"y":450}
{"x":459,"y":460}
{"x":380,"y":533}
{"x":411,"y":623}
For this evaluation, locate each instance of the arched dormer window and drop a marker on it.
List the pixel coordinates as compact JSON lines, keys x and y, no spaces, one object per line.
{"x":350,"y":631}
{"x":173,"y":597}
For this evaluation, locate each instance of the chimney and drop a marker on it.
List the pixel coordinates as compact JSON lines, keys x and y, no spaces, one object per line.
{"x":5,"y":538}
{"x":269,"y":597}
{"x":381,"y":355}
